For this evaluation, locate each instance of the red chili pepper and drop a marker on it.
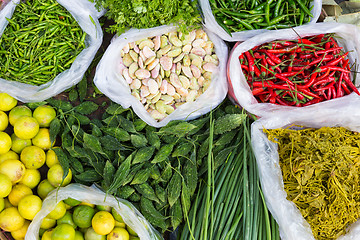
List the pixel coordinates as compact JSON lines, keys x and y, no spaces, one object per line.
{"x":325,"y":88}
{"x":321,"y":59}
{"x":350,"y":84}
{"x":244,"y":67}
{"x":327,"y":50}
{"x":264,"y":67}
{"x":257,"y":91}
{"x":284,"y":79}
{"x":252,"y":66}
{"x":327,"y":45}
{"x":333,"y":92}
{"x":306,"y":41}
{"x":347,"y":91}
{"x":295,"y":48}
{"x":269,"y":84}
{"x":325,"y":68}
{"x":288,"y":74}
{"x":325,"y":80}
{"x":340,"y":92}
{"x":315,"y":100}
{"x":310,"y":82}
{"x":273,"y":57}
{"x":337,"y":60}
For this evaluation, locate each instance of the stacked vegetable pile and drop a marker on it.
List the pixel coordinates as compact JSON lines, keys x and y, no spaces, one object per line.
{"x":23,"y":157}
{"x":147,"y":14}
{"x":157,"y":169}
{"x":94,"y":221}
{"x":235,"y":16}
{"x":167,"y":71}
{"x":298,"y":72}
{"x":41,"y":40}
{"x":320,"y":174}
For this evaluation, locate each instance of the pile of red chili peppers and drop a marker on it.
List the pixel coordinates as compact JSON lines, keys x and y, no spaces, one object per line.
{"x":299,"y":72}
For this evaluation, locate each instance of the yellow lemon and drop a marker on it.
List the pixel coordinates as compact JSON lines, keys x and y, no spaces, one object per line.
{"x":5,"y":142}
{"x":4,"y":121}
{"x":33,"y":157}
{"x":7,"y":102}
{"x":103,"y":222}
{"x":26,"y":127}
{"x":10,"y":155}
{"x":58,"y":212}
{"x":14,"y":169}
{"x":31,"y":178}
{"x":55,"y":176}
{"x":29,"y":206}
{"x":44,"y":188}
{"x":7,"y":203}
{"x":18,"y":112}
{"x":118,"y":233}
{"x":11,"y":220}
{"x":20,"y":233}
{"x":5,"y":184}
{"x":47,"y":234}
{"x":42,"y":139}
{"x":2,"y":204}
{"x":47,"y":223}
{"x":51,"y":158}
{"x":18,"y":192}
{"x":19,"y":144}
{"x":44,"y":115}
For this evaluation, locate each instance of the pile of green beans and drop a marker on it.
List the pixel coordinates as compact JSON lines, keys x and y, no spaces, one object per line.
{"x":41,"y":40}
{"x":238,"y":15}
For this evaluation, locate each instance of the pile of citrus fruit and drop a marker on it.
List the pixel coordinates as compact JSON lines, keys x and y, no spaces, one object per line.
{"x":75,"y":220}
{"x":25,"y":154}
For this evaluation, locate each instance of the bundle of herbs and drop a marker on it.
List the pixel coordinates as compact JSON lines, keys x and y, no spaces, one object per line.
{"x":320,"y":170}
{"x":229,"y":202}
{"x":156,"y":169}
{"x":150,"y":13}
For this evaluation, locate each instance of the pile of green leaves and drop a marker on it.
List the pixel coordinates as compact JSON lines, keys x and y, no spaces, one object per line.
{"x":155,"y":169}
{"x":150,"y":13}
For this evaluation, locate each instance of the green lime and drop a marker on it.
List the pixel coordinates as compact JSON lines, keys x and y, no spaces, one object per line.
{"x":83,"y":215}
{"x":63,"y":232}
{"x":103,"y":208}
{"x":67,"y":218}
{"x":90,"y":234}
{"x":79,"y":235}
{"x":116,"y":215}
{"x":72,"y":202}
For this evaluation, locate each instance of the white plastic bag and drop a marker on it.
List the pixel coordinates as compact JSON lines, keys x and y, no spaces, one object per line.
{"x":110,"y":82}
{"x":213,"y":26}
{"x":131,"y":216}
{"x":239,"y":90}
{"x":292,"y":225}
{"x":87,"y":17}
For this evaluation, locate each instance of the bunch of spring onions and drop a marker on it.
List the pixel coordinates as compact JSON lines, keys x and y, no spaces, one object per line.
{"x":229,"y":203}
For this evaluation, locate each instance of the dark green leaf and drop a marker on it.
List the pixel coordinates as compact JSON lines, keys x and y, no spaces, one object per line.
{"x":92,"y":143}
{"x":83,"y":120}
{"x":180,"y":129}
{"x":82,"y":89}
{"x":228,"y":122}
{"x":163,"y":153}
{"x":176,"y":214}
{"x":89,"y":176}
{"x":115,"y":109}
{"x":64,"y":161}
{"x":33,"y":105}
{"x":86,"y":108}
{"x":54,"y":129}
{"x":138,"y":140}
{"x":147,"y":191}
{"x":141,"y":176}
{"x":185,"y":199}
{"x":125,"y":191}
{"x":153,"y":138}
{"x":76,"y":165}
{"x":139,"y":125}
{"x":143,"y":154}
{"x":110,"y":143}
{"x":73,"y":95}
{"x":174,"y":188}
{"x":120,"y":174}
{"x":60,"y":104}
{"x":109,"y":171}
{"x":95,"y":130}
{"x":111,"y":121}
{"x":127,"y":125}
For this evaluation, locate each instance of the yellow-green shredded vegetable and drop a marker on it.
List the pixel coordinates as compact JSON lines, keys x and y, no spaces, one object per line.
{"x":321,"y":169}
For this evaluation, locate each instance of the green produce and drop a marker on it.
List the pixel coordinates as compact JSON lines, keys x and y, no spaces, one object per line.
{"x":150,"y":167}
{"x":320,"y":172}
{"x":41,"y":40}
{"x":150,"y":13}
{"x":235,"y":16}
{"x":229,"y":202}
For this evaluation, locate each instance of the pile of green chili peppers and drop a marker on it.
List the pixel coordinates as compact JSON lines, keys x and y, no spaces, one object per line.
{"x":238,"y":15}
{"x":41,"y":40}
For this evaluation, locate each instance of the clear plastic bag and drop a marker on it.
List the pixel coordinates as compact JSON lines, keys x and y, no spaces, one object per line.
{"x":110,"y":82}
{"x":131,"y":216}
{"x":239,"y":90}
{"x":292,"y":225}
{"x":212,"y":25}
{"x":87,"y":17}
